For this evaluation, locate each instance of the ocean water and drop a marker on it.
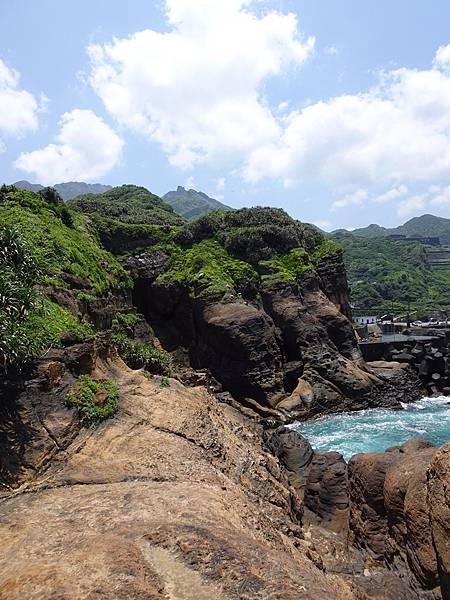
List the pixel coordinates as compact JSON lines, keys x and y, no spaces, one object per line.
{"x":374,"y":430}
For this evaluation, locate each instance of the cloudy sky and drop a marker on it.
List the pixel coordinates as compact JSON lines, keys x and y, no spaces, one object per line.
{"x":336,"y":110}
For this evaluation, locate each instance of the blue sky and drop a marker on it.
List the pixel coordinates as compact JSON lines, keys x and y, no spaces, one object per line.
{"x":337,"y":111}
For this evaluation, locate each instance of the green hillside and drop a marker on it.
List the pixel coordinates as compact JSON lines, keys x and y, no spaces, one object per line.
{"x":48,"y":258}
{"x":61,"y":274}
{"x":423,"y":226}
{"x":388,"y":274}
{"x":129,"y":204}
{"x":191,"y":204}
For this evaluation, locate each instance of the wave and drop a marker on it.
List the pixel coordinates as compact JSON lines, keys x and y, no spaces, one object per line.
{"x":374,"y":430}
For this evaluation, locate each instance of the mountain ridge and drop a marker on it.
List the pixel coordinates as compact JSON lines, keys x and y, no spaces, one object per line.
{"x":67,"y":190}
{"x":426,"y":225}
{"x":191,"y":203}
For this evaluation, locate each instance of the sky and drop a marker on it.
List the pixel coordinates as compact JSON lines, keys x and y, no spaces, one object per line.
{"x":337,"y":111}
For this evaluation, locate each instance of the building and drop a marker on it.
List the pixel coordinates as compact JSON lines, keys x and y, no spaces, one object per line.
{"x":366,"y":320}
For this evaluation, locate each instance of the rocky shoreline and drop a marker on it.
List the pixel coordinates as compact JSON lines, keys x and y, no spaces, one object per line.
{"x":180,"y":487}
{"x":219,"y":332}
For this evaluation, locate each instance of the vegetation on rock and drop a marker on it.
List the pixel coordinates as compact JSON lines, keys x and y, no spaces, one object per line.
{"x":226,"y":252}
{"x":95,"y":400}
{"x":134,"y":352}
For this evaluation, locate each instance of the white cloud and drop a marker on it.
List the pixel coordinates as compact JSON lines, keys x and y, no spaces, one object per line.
{"x":220,"y":184}
{"x":411,"y":205}
{"x":283,"y":106}
{"x":18,"y":108}
{"x":86,"y":149}
{"x":442,"y":58}
{"x":392,"y":194}
{"x":331,"y":50}
{"x":398,"y":131}
{"x":442,"y":198}
{"x":196,"y":90}
{"x":354,"y":198}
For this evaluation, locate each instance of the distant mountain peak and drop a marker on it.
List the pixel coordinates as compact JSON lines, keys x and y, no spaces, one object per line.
{"x":66,"y":190}
{"x":191,"y":204}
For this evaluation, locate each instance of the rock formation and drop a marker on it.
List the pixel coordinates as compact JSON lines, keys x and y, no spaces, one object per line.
{"x":295,"y":351}
{"x":178,"y":496}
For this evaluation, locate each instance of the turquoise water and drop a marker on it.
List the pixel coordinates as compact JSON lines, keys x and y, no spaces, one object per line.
{"x":375,"y":430}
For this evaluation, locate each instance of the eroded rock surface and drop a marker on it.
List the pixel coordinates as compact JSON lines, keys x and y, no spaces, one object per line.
{"x":293,"y":349}
{"x":400,"y":511}
{"x":175,"y":497}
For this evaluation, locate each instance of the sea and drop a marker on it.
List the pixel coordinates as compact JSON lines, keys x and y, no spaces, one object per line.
{"x":374,"y":430}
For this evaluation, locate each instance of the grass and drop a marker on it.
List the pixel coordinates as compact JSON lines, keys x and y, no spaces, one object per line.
{"x":95,"y":400}
{"x":59,"y":248}
{"x":207,"y":268}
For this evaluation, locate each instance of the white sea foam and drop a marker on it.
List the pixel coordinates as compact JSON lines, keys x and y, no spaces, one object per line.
{"x":374,"y":430}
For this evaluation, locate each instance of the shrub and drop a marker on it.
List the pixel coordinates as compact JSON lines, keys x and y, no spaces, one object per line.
{"x":18,"y":275}
{"x":138,"y":355}
{"x":95,"y":400}
{"x":165,"y":383}
{"x":29,"y":322}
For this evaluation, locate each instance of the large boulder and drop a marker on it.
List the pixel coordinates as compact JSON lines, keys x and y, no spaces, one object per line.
{"x":327,"y":491}
{"x":240,"y":345}
{"x":400,"y":511}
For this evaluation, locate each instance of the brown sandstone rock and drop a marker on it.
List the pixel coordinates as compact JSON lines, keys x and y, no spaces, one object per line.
{"x":175,"y":497}
{"x":327,"y":491}
{"x":439,"y":505}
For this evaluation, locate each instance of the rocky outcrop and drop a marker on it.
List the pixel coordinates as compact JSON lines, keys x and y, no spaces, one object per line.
{"x":399,"y":511}
{"x":293,"y":350}
{"x":327,"y":492}
{"x":390,"y":511}
{"x":438,"y":500}
{"x":175,"y":497}
{"x":178,"y":496}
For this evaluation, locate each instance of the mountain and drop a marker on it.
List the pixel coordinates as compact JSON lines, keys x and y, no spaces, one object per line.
{"x":191,"y":204}
{"x":427,"y":226}
{"x":26,"y":185}
{"x":423,"y":226}
{"x":128,"y":204}
{"x":68,"y":190}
